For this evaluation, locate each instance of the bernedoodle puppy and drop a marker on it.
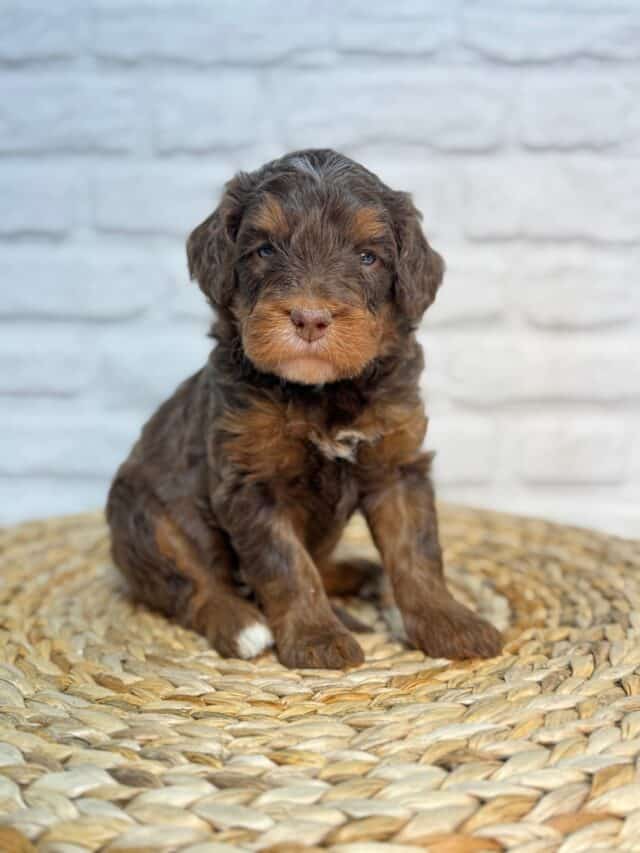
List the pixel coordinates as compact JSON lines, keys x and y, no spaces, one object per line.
{"x":307,"y":410}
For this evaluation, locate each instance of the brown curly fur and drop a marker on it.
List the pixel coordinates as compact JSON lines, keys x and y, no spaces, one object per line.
{"x":250,"y":471}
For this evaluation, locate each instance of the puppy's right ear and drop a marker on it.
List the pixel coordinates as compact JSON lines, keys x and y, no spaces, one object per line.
{"x":210,"y":247}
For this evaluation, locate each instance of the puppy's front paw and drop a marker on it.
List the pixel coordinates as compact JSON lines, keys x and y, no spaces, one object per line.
{"x":452,"y":631}
{"x":327,"y":646}
{"x":239,"y":631}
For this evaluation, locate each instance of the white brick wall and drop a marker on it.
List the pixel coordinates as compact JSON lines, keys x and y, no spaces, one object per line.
{"x":516,"y":123}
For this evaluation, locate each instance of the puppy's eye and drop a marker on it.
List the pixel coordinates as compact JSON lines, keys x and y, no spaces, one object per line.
{"x":265,"y":251}
{"x":368,"y":258}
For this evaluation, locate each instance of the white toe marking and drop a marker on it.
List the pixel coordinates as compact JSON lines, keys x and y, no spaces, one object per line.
{"x":253,"y":639}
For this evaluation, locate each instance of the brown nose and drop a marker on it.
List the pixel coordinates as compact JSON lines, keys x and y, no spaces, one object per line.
{"x":311,"y":323}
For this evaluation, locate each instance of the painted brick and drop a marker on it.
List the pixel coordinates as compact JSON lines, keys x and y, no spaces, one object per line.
{"x":576,"y":289}
{"x":435,"y":381}
{"x":156,"y":198}
{"x":472,"y":289}
{"x":188,"y":303}
{"x":592,"y":450}
{"x":68,"y":113}
{"x":450,"y":110}
{"x":587,"y":198}
{"x":620,"y":39}
{"x":138,"y":372}
{"x":634,"y":467}
{"x":570,"y":505}
{"x":40,"y":31}
{"x":577,"y":110}
{"x":40,"y":497}
{"x":189,"y":114}
{"x":412,"y":27}
{"x":87,"y":283}
{"x":76,"y":445}
{"x":61,"y":362}
{"x":466,"y":448}
{"x":528,"y":35}
{"x":589,"y":7}
{"x":134,"y":30}
{"x":37,"y":200}
{"x":512,"y":369}
{"x":247,"y":158}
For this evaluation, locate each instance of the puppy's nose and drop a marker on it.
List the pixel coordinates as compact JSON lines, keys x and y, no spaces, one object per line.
{"x":311,"y":323}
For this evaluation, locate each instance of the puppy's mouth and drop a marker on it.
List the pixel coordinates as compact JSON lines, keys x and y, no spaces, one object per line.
{"x":308,"y":362}
{"x":311,"y":343}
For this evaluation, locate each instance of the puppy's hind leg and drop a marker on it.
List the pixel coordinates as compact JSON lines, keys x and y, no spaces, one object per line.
{"x":176,"y":563}
{"x":350,"y":577}
{"x":355,"y":576}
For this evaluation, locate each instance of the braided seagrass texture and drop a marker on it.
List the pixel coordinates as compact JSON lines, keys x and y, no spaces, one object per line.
{"x":122,"y":732}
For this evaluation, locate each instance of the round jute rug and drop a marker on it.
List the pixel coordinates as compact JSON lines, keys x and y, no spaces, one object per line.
{"x":120,"y":731}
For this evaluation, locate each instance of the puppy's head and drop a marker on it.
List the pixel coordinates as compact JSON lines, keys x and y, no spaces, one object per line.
{"x":321,"y":267}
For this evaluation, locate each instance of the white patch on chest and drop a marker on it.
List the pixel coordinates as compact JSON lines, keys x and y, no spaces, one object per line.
{"x":343,"y":445}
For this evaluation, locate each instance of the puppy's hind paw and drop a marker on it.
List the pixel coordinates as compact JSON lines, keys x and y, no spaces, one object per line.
{"x":239,"y":631}
{"x":253,"y":640}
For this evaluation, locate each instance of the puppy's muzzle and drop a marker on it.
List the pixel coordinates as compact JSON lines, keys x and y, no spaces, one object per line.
{"x":311,"y":324}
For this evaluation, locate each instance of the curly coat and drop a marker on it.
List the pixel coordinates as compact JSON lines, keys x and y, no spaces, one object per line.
{"x":307,"y":410}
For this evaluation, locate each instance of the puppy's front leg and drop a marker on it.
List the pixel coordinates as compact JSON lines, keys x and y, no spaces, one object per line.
{"x":403,"y":522}
{"x":278,"y":567}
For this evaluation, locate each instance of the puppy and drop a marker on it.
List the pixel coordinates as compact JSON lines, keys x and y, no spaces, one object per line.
{"x":308,"y":409}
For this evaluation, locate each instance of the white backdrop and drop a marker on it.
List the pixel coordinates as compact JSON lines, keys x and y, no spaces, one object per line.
{"x":517,"y":126}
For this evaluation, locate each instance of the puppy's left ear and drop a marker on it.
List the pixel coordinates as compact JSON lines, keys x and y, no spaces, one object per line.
{"x":419,"y":269}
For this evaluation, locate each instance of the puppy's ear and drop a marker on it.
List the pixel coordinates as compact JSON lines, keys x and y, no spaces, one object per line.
{"x":420,"y":268}
{"x":210,"y":247}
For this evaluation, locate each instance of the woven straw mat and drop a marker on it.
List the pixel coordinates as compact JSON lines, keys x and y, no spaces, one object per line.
{"x":120,"y":731}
